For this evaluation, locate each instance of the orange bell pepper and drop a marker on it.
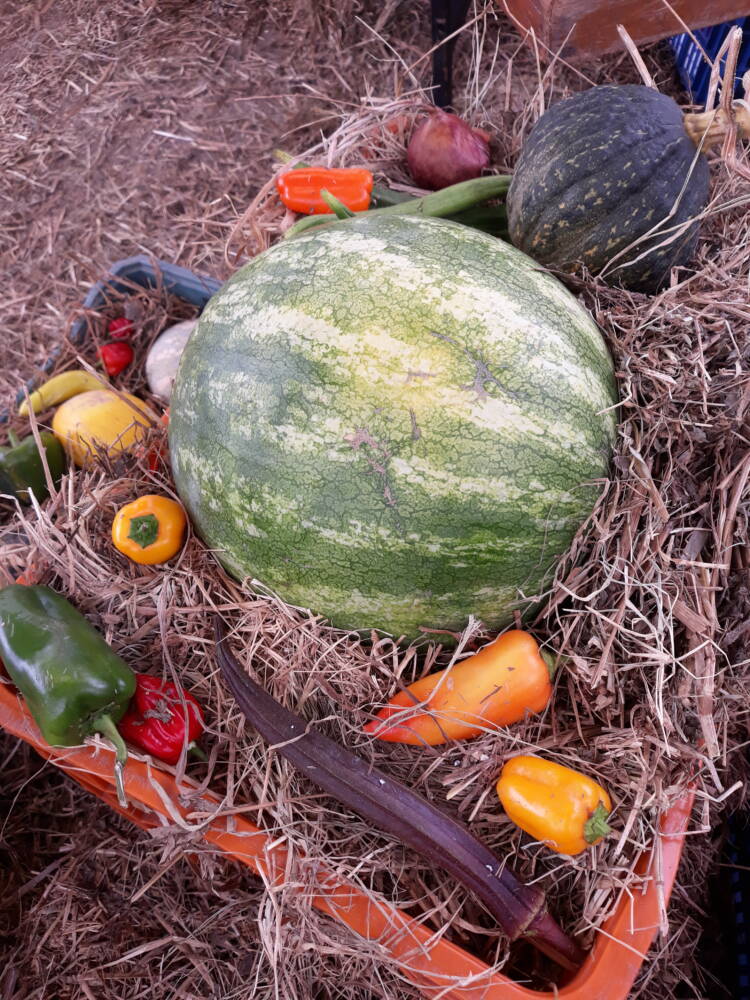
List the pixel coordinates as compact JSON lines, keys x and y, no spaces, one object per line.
{"x":497,"y":686}
{"x":150,"y":529}
{"x":555,"y":804}
{"x":300,"y":189}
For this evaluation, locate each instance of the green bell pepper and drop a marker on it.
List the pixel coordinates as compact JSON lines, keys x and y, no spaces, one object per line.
{"x":22,"y":469}
{"x":72,"y":681}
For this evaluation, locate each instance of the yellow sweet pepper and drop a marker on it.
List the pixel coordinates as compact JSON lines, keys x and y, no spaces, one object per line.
{"x":565,"y":809}
{"x":149,"y":530}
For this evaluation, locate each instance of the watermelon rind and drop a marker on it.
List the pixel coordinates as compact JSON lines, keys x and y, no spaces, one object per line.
{"x":395,"y":422}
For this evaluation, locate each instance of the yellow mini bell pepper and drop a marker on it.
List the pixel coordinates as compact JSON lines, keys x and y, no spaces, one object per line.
{"x":555,"y":804}
{"x":149,"y":530}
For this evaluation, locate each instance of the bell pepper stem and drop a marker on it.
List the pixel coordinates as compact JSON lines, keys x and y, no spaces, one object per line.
{"x":281,"y":156}
{"x":196,"y":751}
{"x":13,"y":438}
{"x":104,"y":725}
{"x":144,"y":530}
{"x":552,"y":662}
{"x":120,"y":783}
{"x":596,"y":826}
{"x":337,"y":207}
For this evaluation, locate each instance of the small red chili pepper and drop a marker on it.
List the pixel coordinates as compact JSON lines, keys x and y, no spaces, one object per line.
{"x":120,"y":328}
{"x":160,"y":452}
{"x":116,"y":356}
{"x":156,"y":717}
{"x":300,"y":189}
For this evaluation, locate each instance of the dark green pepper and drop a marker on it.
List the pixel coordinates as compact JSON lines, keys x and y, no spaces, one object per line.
{"x":72,"y":681}
{"x":22,"y":468}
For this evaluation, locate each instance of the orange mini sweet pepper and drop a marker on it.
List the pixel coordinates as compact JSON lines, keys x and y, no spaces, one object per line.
{"x":150,"y":529}
{"x":300,"y":189}
{"x":555,"y":804}
{"x":497,"y":686}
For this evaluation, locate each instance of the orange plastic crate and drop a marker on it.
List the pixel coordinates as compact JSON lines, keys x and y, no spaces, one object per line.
{"x":435,"y":965}
{"x":589,"y":27}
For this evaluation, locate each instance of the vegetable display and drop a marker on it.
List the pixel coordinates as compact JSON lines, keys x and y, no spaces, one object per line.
{"x":397,"y":810}
{"x":565,"y":809}
{"x":608,"y":180}
{"x":395,"y":424}
{"x":22,"y":468}
{"x":57,"y":389}
{"x":72,"y":681}
{"x":411,"y":437}
{"x":501,"y":684}
{"x":150,"y":530}
{"x":162,"y":719}
{"x":446,"y":150}
{"x":300,"y":189}
{"x":101,"y":419}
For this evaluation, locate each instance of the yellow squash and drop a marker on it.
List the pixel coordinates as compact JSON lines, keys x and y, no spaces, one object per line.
{"x":101,"y":420}
{"x":59,"y":388}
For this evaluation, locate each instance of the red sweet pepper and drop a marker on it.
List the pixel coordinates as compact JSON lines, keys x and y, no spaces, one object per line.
{"x":116,"y":356}
{"x":156,"y":717}
{"x":300,"y":189}
{"x":120,"y":328}
{"x":159,"y":452}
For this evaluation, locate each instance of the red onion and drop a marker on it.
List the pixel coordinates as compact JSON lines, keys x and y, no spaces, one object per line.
{"x":444,"y":150}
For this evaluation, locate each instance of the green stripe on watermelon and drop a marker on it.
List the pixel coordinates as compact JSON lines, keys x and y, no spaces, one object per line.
{"x":394,"y":422}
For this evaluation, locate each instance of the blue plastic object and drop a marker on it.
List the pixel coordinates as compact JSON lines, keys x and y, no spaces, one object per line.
{"x":141,"y":270}
{"x":148,"y":273}
{"x":694,"y":71}
{"x":737,"y":859}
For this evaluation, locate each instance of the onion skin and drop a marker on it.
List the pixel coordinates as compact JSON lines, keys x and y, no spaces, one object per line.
{"x":445,"y":150}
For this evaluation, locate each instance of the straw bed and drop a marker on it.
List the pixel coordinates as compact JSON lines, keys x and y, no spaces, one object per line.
{"x":650,"y":611}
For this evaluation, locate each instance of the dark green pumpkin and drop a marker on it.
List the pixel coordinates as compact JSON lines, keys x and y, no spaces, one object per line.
{"x":601,"y":171}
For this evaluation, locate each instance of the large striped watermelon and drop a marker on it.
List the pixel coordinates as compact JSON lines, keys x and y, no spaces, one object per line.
{"x":396,"y":422}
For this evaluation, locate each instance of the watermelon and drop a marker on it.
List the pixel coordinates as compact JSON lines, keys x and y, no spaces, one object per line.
{"x":395,"y":422}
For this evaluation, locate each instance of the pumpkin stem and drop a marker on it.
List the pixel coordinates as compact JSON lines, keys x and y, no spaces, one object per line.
{"x":709,"y":128}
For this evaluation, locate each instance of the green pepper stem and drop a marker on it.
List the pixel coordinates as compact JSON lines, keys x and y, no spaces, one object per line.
{"x":196,"y":751}
{"x":337,"y":207}
{"x":120,"y":783}
{"x":448,"y":201}
{"x":13,"y":438}
{"x":551,"y":660}
{"x":144,"y":530}
{"x":281,"y":156}
{"x":596,"y":826}
{"x":103,"y":724}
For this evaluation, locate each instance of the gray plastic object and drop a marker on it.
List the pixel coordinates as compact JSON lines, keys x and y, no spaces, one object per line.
{"x":141,"y":270}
